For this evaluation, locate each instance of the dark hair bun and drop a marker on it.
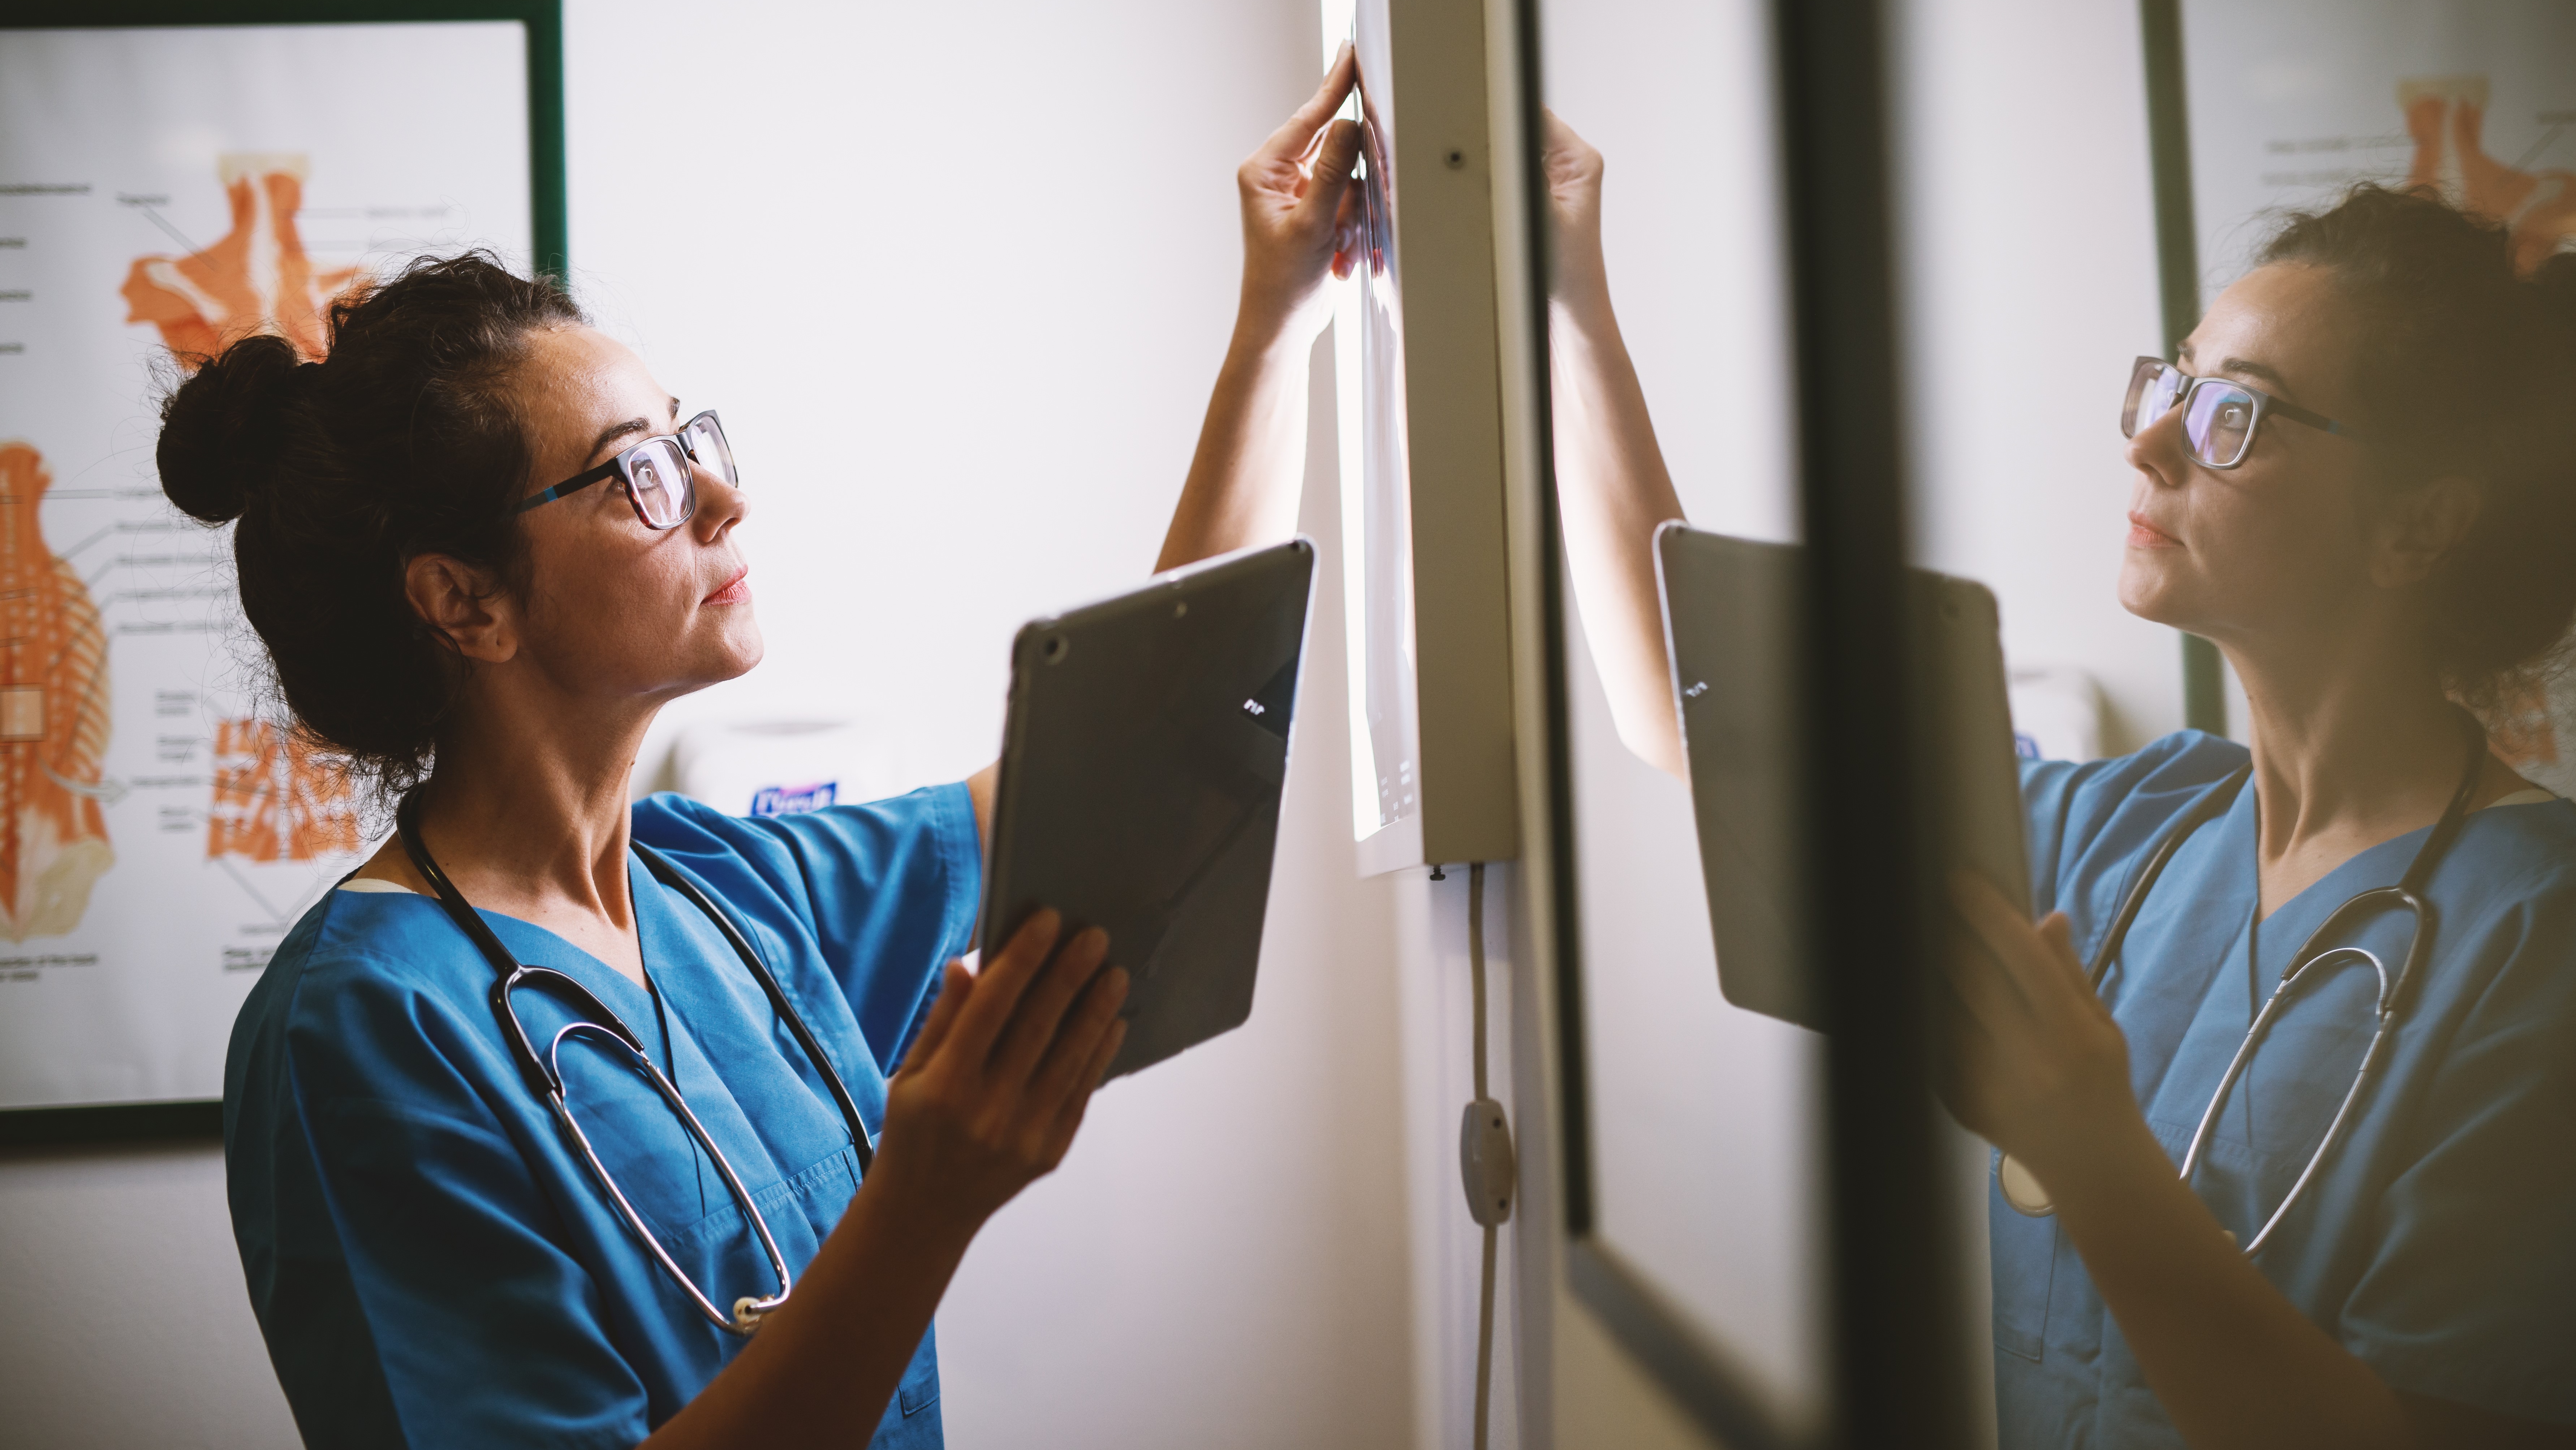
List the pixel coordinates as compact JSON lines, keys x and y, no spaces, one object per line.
{"x":2465,"y":374}
{"x":223,"y":429}
{"x":2556,"y":280}
{"x":404,"y":440}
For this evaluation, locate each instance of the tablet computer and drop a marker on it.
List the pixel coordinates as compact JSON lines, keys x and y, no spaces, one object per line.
{"x":1142,"y":758}
{"x":1730,"y":631}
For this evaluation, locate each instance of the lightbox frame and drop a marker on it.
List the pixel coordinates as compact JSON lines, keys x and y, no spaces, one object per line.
{"x":1468,"y":806}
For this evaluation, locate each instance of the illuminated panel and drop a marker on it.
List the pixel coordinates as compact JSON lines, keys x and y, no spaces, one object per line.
{"x":1377,"y":515}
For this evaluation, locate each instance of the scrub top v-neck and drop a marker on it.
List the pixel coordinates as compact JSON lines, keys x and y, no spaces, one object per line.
{"x":2435,"y":1243}
{"x":431,"y":1262}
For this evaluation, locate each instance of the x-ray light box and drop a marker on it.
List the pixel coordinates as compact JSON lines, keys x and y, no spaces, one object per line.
{"x":1421,"y":434}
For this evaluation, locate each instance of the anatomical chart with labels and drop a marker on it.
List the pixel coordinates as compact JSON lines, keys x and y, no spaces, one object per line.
{"x":2292,"y":101}
{"x":165,"y":192}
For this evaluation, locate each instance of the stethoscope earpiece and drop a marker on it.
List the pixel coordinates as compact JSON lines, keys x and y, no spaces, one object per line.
{"x":2022,"y":1193}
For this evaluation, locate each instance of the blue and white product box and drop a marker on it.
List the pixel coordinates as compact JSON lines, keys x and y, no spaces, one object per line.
{"x":792,"y":800}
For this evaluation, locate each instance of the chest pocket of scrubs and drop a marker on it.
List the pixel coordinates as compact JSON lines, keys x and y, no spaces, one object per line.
{"x":660,"y":1168}
{"x":911,"y":1420}
{"x":655,"y":1161}
{"x":2025,"y":1260}
{"x":920,"y":1387}
{"x":2278,"y":1112}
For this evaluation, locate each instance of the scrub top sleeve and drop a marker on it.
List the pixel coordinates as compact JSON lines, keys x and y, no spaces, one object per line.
{"x":888,"y":890}
{"x":486,"y":1332}
{"x":2470,"y":1294}
{"x":2089,"y":822}
{"x":2047,"y":793}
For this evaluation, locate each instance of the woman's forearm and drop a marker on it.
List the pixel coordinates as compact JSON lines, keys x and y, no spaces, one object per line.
{"x":1613,"y":491}
{"x":822,"y":1369}
{"x":1249,"y":471}
{"x":2231,"y":1360}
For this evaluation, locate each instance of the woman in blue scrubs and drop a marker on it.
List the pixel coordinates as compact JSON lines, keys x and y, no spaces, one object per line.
{"x":2393,"y":535}
{"x":475,"y":586}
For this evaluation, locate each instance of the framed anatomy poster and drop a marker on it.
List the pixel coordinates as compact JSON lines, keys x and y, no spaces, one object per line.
{"x":169,"y":185}
{"x":2259,"y":107}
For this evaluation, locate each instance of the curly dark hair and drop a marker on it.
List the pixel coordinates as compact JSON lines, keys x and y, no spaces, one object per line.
{"x":2467,"y":370}
{"x":401,"y":440}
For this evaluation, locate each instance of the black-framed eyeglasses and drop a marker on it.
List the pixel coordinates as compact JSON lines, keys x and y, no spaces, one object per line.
{"x":656,"y":473}
{"x":2219,"y":418}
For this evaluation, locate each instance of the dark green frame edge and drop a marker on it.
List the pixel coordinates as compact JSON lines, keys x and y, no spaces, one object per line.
{"x":204,"y":1118}
{"x":196,"y":1119}
{"x":543,"y":19}
{"x":2204,"y":689}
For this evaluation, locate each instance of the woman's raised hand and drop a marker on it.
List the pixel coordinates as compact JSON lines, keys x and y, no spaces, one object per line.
{"x":2030,"y":1059}
{"x":1301,"y":214}
{"x":992,"y":1091}
{"x":1573,"y":171}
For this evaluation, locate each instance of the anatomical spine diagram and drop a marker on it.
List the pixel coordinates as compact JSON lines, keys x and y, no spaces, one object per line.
{"x":53,"y":719}
{"x":257,"y":279}
{"x":2446,"y":116}
{"x":273,"y":799}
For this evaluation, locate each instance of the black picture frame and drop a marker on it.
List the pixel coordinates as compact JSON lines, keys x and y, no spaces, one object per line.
{"x":1892,"y":1278}
{"x":2204,"y":680}
{"x":543,"y":20}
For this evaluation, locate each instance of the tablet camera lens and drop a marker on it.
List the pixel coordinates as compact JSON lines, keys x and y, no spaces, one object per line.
{"x":1053,"y":649}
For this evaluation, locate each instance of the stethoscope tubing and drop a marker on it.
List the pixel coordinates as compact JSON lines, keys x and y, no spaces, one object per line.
{"x":545,"y":1075}
{"x":2236,"y":1066}
{"x":747,"y":1310}
{"x":670,"y":875}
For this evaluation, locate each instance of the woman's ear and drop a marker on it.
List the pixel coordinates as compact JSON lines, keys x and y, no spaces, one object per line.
{"x":2419,"y":529}
{"x":465,"y":604}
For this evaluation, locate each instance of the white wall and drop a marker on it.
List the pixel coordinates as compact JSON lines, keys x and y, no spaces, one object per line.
{"x":1223,"y":1258}
{"x":959,"y":278}
{"x":123,"y":1321}
{"x":2029,"y":273}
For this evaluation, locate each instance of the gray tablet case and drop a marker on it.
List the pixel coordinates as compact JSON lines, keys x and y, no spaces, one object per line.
{"x":1142,"y":759}
{"x":1731,"y":632}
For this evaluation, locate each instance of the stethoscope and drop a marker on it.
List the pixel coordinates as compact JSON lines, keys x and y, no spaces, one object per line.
{"x":2024,"y":1193}
{"x":599,"y":1023}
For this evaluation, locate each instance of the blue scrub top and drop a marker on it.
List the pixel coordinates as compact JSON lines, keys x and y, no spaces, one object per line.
{"x":2438,"y":1242}
{"x":431,"y":1262}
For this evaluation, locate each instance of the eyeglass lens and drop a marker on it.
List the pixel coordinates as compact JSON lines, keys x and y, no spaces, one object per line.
{"x":657,"y":472}
{"x":657,"y":475}
{"x":705,"y":439}
{"x":2217,"y":420}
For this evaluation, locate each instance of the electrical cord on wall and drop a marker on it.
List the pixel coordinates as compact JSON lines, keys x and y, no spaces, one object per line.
{"x":1485,"y":1165}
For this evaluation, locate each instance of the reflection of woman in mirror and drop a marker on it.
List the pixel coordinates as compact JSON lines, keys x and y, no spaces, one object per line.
{"x":2372,"y":510}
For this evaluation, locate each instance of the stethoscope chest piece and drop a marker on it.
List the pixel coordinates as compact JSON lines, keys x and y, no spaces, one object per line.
{"x":2022,"y":1192}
